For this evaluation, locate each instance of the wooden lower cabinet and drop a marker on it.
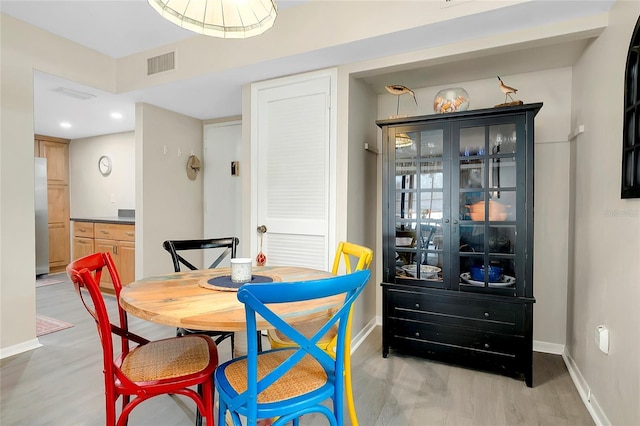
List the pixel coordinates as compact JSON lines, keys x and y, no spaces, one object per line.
{"x":82,"y":239}
{"x":117,"y":239}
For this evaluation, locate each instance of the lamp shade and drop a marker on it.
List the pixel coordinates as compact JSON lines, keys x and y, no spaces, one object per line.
{"x":219,"y":18}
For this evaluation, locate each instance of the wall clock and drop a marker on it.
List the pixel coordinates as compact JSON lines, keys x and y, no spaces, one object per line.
{"x":104,"y":165}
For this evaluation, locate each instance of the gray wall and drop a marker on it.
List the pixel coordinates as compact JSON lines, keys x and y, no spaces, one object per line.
{"x":604,"y":287}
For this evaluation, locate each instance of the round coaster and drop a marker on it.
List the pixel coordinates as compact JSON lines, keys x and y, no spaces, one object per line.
{"x":224,"y":282}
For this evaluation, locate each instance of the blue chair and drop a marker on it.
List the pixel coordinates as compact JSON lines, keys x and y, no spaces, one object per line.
{"x":286,"y":383}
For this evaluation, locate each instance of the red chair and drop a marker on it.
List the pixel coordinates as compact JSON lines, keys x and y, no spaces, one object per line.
{"x":167,"y":366}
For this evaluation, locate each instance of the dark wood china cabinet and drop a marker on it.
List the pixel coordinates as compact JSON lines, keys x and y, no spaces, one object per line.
{"x":457,"y":217}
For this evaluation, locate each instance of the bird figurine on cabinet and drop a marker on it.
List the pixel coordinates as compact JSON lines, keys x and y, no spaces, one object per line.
{"x":507,"y":90}
{"x":398,"y":90}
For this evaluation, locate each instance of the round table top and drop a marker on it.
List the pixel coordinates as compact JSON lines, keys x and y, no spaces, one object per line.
{"x":183,"y":299}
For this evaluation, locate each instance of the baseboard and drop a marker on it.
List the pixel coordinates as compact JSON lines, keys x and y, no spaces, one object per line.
{"x":548,"y":348}
{"x":589,"y":400}
{"x":362,"y":335}
{"x":19,"y":348}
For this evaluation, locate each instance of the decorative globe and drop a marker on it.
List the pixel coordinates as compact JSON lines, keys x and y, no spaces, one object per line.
{"x":451,"y":99}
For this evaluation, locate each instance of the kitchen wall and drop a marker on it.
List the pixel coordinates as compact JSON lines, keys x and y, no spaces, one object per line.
{"x":94,"y":195}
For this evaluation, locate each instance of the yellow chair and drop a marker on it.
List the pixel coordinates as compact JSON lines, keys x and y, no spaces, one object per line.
{"x":346,"y":251}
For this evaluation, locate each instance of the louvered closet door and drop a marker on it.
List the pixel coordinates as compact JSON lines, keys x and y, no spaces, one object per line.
{"x":293,"y":176}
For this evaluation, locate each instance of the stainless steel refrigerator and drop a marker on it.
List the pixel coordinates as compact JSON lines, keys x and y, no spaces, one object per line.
{"x":42,"y":217}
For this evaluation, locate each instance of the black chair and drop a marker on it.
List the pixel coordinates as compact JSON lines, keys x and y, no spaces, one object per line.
{"x":229,"y":244}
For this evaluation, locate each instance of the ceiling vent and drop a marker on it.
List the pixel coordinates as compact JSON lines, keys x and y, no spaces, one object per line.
{"x":74,"y":93}
{"x":161,"y":63}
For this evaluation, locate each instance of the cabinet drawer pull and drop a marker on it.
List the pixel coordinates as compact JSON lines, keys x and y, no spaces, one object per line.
{"x":486,"y":314}
{"x":417,"y":334}
{"x":486,"y":346}
{"x":82,"y":230}
{"x":129,"y":233}
{"x":104,"y":231}
{"x":417,"y":306}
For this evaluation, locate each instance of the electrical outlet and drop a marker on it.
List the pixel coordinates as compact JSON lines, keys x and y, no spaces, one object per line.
{"x":602,"y":338}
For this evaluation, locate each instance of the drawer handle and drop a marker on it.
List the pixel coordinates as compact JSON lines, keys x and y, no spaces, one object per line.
{"x":486,"y":346}
{"x":82,"y":230}
{"x":104,"y":232}
{"x":129,"y":233}
{"x":417,"y":334}
{"x":486,"y":314}
{"x":417,"y":306}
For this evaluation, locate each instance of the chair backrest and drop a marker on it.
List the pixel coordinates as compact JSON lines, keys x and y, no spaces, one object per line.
{"x":229,"y":244}
{"x":256,"y":297}
{"x":85,"y":273}
{"x":347,"y":251}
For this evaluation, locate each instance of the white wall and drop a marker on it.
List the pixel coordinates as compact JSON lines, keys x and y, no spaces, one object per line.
{"x":94,"y":195}
{"x":24,"y":49}
{"x":605,"y":288}
{"x":168,"y":204}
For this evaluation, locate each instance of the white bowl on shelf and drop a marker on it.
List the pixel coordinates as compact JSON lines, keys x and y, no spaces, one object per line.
{"x":426,"y":271}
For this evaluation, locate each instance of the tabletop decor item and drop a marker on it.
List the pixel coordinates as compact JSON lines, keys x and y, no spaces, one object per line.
{"x":451,"y":99}
{"x":241,"y":270}
{"x":507,"y":90}
{"x":398,"y":90}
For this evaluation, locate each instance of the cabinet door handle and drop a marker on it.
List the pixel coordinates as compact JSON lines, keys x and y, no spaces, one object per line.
{"x":455,"y":221}
{"x":417,"y":334}
{"x":115,"y":249}
{"x":417,"y":306}
{"x":486,"y":346}
{"x":446,"y":221}
{"x":486,"y":314}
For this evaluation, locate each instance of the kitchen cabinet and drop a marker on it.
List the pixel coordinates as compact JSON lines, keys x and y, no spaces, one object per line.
{"x":119,"y":240}
{"x":83,"y":243}
{"x":457,"y":257}
{"x":56,"y":151}
{"x":105,"y":236}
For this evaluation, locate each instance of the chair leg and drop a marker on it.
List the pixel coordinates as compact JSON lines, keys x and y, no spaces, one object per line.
{"x":198,"y":413}
{"x":349,"y":391}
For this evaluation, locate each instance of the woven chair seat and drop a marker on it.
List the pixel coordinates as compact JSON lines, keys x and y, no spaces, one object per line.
{"x":307,"y":376}
{"x":167,"y":359}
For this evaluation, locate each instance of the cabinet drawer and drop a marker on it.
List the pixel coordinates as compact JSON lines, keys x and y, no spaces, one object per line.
{"x":112,"y":231}
{"x":83,"y":229}
{"x":451,"y":337}
{"x":476,"y":314}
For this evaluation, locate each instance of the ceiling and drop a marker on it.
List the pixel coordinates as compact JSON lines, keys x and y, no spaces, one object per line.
{"x":122,"y":28}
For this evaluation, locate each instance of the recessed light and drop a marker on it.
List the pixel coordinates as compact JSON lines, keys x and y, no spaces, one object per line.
{"x":116,"y":115}
{"x":65,"y":124}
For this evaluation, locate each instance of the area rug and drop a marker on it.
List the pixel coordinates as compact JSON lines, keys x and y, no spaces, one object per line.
{"x":48,"y":281}
{"x":46,"y":325}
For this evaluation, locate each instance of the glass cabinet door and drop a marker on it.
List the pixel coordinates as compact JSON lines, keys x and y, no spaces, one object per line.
{"x":487,"y":185}
{"x":420,"y":175}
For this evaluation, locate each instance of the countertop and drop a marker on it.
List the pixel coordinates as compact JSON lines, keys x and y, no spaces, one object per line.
{"x":113,"y":219}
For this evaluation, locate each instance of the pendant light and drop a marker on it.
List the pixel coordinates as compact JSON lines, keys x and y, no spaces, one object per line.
{"x":219,"y":18}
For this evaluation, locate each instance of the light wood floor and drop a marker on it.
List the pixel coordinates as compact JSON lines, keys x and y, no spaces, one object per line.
{"x":60,"y":384}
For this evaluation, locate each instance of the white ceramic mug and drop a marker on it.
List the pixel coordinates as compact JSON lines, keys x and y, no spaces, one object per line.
{"x":241,"y":270}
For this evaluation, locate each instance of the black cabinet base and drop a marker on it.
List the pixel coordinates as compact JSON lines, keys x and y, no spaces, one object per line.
{"x":482,"y":332}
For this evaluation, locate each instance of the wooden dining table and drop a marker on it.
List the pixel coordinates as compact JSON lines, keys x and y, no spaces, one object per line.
{"x":188,"y":300}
